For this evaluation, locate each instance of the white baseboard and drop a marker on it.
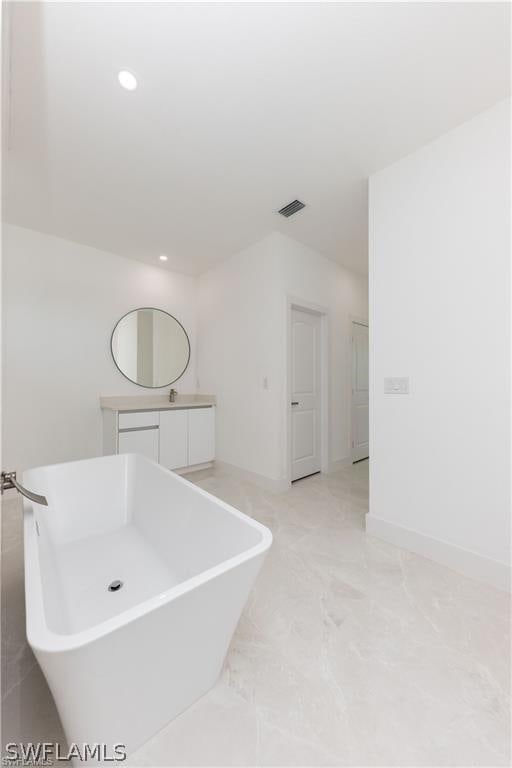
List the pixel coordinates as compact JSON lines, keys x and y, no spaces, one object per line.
{"x":462,"y":560}
{"x":193,"y":468}
{"x":268,"y":483}
{"x":335,"y":466}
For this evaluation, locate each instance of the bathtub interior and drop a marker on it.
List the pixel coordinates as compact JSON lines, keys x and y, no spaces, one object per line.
{"x":124,"y":519}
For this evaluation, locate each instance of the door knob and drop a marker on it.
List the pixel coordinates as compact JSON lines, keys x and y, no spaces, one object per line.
{"x":295,"y":402}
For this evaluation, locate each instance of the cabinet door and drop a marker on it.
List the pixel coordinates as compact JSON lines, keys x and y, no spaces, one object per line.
{"x":141,"y":441}
{"x":201,"y":435}
{"x":174,"y":439}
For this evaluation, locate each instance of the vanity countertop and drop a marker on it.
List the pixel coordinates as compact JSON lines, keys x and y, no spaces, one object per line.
{"x":127,"y":403}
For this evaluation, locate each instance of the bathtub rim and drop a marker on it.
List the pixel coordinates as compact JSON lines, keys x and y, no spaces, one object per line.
{"x":41,"y":638}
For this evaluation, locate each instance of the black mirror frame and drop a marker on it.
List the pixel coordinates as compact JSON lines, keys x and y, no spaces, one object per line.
{"x":155,"y":309}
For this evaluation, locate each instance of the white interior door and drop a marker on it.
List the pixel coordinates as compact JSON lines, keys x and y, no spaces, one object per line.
{"x":360,"y":392}
{"x":305,"y":393}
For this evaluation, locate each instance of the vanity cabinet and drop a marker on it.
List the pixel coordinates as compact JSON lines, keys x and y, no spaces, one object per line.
{"x":143,"y":441}
{"x":174,"y":438}
{"x":187,"y":437}
{"x":201,"y":435}
{"x":180,"y":438}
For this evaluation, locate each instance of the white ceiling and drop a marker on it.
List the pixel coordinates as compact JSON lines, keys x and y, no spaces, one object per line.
{"x":240,"y":108}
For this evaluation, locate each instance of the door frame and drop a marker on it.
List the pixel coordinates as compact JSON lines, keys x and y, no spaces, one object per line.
{"x":357,"y":321}
{"x":293,"y":302}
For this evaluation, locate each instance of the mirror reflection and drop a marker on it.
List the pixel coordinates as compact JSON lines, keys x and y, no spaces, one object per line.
{"x":150,"y":347}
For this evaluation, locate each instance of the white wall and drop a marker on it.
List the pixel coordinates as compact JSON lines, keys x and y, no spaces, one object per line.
{"x":242,"y":341}
{"x":440,"y":314}
{"x":237,"y":323}
{"x":61,"y":301}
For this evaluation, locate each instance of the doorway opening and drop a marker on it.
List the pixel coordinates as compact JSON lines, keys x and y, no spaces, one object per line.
{"x":360,"y":392}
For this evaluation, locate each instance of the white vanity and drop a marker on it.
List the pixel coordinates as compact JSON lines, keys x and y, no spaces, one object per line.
{"x":178,"y":435}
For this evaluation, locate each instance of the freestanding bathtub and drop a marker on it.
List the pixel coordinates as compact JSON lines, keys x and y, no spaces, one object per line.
{"x":135,"y":582}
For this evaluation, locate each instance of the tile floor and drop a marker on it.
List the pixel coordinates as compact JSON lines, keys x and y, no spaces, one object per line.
{"x":350,"y":651}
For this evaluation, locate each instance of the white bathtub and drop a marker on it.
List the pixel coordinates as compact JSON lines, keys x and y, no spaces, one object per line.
{"x":122,"y":664}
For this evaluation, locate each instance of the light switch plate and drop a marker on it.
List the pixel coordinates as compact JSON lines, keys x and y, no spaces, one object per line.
{"x":396,"y":385}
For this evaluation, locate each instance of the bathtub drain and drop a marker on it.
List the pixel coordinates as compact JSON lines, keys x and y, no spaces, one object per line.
{"x":114,"y":586}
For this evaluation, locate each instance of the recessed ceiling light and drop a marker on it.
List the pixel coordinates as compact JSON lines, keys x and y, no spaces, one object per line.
{"x":127,"y":80}
{"x":163,"y":257}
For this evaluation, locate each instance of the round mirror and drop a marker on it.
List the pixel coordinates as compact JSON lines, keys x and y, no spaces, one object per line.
{"x":150,"y":347}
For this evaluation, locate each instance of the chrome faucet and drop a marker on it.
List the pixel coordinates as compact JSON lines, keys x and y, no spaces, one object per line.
{"x":8,"y":480}
{"x":172,"y":395}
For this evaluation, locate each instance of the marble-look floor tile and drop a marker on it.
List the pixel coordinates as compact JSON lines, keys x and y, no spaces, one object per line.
{"x":350,"y":651}
{"x":28,"y":710}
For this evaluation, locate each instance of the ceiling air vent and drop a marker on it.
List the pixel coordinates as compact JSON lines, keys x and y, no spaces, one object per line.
{"x":291,"y":208}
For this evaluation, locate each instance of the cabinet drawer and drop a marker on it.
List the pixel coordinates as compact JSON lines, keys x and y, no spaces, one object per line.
{"x":139,"y":419}
{"x":143,"y":441}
